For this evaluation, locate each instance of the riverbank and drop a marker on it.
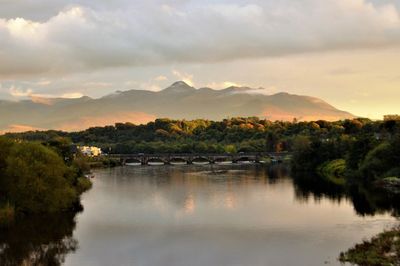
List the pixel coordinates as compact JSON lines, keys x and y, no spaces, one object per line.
{"x":102,"y":162}
{"x":383,"y":249}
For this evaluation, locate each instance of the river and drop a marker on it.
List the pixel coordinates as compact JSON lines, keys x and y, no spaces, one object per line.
{"x":216,"y":215}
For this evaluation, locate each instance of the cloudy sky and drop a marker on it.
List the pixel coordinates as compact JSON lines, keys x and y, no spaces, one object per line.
{"x":346,"y":52}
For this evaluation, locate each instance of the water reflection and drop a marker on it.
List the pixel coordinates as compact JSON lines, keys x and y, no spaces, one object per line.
{"x":203,"y":215}
{"x":222,"y":215}
{"x":189,"y":204}
{"x":38,"y":240}
{"x":221,"y":185}
{"x":366,"y":200}
{"x":225,"y":187}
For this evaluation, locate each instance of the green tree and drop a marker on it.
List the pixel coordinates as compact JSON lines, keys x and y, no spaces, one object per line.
{"x":36,"y":179}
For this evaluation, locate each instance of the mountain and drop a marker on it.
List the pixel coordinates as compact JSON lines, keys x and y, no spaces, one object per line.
{"x":179,"y":101}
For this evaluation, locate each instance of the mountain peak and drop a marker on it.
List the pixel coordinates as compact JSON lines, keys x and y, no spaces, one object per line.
{"x":180,"y":83}
{"x":237,"y":89}
{"x":178,"y":87}
{"x":178,"y":101}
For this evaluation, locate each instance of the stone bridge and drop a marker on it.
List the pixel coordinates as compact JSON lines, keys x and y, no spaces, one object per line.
{"x":200,"y":158}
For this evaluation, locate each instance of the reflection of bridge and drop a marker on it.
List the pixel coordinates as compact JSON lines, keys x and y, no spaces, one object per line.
{"x":200,"y":158}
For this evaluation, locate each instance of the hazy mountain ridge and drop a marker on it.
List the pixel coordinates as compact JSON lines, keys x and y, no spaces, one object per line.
{"x":179,"y":101}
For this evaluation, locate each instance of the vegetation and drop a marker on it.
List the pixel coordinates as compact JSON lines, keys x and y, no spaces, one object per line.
{"x":334,"y":171}
{"x":370,"y":149}
{"x":38,"y":178}
{"x":367,"y":150}
{"x":381,"y":250}
{"x":229,"y":135}
{"x":391,"y":184}
{"x":102,"y":162}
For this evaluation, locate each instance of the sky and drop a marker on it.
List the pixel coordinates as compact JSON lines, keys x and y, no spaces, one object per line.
{"x":346,"y":52}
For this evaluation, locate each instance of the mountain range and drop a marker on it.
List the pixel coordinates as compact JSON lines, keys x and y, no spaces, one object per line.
{"x":178,"y":101}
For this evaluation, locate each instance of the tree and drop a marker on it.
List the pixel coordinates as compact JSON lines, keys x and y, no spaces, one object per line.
{"x":382,"y":161}
{"x":36,"y":179}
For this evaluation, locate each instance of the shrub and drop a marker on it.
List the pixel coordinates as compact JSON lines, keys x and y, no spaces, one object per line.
{"x":333,"y":171}
{"x":83,"y":184}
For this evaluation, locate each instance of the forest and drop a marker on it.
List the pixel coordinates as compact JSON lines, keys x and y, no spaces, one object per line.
{"x":358,"y":147}
{"x":229,"y":135}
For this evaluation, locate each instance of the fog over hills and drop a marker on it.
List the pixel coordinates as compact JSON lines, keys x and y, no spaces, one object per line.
{"x":179,"y":101}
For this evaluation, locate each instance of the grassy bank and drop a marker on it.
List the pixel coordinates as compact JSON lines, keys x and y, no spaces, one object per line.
{"x":381,"y":250}
{"x":102,"y":162}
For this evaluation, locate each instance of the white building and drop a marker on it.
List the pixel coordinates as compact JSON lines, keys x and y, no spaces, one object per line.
{"x":90,"y":151}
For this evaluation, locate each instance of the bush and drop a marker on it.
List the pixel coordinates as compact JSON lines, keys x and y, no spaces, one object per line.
{"x":382,"y":161}
{"x":333,"y":171}
{"x":83,"y":184}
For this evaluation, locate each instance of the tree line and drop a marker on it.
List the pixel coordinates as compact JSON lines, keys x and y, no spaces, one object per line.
{"x":181,"y":136}
{"x":364,"y":147}
{"x":366,"y":151}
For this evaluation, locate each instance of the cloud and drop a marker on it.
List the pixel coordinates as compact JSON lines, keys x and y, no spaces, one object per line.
{"x":188,"y":78}
{"x":29,"y":93}
{"x":161,"y":78}
{"x":44,"y":82}
{"x":95,"y":35}
{"x":72,"y":95}
{"x":263,"y":91}
{"x":142,"y":85}
{"x":222,"y":85}
{"x":17,"y":92}
{"x":97,"y":84}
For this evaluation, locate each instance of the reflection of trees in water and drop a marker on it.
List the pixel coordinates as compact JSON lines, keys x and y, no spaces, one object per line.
{"x":366,"y":200}
{"x":311,"y":186}
{"x":276,"y":172}
{"x":38,"y":240}
{"x":178,"y":186}
{"x":221,"y":183}
{"x":370,"y":201}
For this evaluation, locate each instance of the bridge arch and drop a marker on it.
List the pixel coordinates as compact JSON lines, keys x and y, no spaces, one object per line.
{"x":223,"y":160}
{"x":201,"y":160}
{"x":246,"y":159}
{"x":178,"y":161}
{"x":132,"y":162}
{"x":155,"y":161}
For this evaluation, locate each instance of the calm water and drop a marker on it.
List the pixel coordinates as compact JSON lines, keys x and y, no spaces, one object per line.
{"x":207,"y":215}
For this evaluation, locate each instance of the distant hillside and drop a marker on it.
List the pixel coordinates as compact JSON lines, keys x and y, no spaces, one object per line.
{"x":179,"y":101}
